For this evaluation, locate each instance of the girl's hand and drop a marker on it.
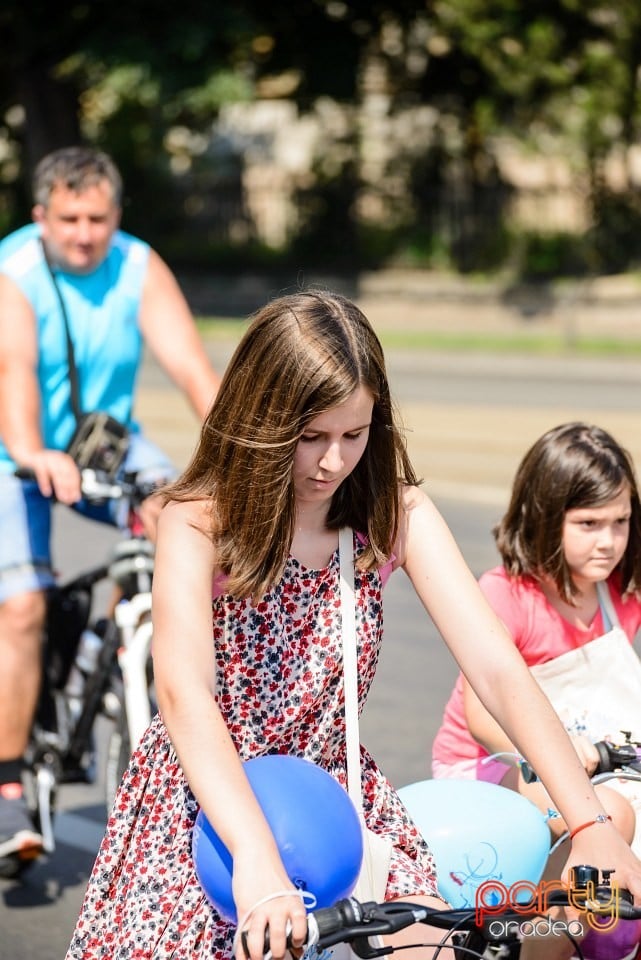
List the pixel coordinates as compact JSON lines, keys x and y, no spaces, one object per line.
{"x":586,"y":751}
{"x":602,"y":846}
{"x":262,"y":902}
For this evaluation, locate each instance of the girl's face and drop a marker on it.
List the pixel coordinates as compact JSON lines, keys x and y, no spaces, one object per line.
{"x":595,"y":538}
{"x":331,"y":446}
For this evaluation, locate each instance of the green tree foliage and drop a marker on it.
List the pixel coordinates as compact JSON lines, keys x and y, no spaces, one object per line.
{"x":146,"y":80}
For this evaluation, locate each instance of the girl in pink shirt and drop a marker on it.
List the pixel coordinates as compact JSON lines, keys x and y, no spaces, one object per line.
{"x":570,"y":542}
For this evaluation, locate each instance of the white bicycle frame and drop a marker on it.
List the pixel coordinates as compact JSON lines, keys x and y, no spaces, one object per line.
{"x":133,"y":620}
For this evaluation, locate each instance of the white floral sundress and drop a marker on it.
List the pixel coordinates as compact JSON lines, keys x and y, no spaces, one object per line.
{"x":280,"y":689}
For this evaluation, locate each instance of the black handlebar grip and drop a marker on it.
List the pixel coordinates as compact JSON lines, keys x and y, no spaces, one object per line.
{"x":24,"y":473}
{"x":605,"y":762}
{"x":626,"y":910}
{"x":326,"y":921}
{"x":332,"y":919}
{"x":614,"y":756}
{"x":243,"y":940}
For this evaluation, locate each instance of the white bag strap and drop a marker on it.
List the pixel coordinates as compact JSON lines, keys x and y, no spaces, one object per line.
{"x":350,"y":666}
{"x":607,"y":607}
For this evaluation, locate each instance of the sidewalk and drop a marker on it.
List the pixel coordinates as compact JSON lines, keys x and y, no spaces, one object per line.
{"x":419,"y":299}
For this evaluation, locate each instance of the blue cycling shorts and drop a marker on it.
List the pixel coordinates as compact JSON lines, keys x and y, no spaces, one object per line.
{"x":25,"y":520}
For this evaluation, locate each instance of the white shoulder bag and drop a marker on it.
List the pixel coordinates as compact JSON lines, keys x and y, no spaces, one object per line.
{"x":377,"y":850}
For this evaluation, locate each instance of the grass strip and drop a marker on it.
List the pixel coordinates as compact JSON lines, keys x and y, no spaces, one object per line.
{"x":546,"y":343}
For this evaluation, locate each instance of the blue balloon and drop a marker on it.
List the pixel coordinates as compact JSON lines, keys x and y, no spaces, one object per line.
{"x":315,"y":825}
{"x":478,"y":832}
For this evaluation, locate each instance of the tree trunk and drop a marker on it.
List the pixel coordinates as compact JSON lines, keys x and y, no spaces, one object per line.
{"x":51,"y":108}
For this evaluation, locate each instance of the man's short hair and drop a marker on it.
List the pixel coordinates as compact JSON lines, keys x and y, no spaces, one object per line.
{"x":76,"y":168}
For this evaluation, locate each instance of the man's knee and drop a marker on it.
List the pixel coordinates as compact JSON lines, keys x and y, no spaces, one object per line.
{"x":23,"y":615}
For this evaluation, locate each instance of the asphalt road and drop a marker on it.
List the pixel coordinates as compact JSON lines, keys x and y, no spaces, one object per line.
{"x":469,"y":421}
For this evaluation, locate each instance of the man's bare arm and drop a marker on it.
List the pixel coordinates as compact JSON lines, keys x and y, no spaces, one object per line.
{"x":20,"y":398}
{"x":169,"y":329}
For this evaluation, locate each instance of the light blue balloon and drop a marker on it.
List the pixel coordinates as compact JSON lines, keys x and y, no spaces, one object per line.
{"x":478,"y":832}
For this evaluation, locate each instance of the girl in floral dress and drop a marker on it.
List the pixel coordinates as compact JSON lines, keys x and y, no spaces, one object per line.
{"x":300,"y":442}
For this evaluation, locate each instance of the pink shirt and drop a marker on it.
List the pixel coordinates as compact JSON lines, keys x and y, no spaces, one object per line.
{"x":540,"y":633}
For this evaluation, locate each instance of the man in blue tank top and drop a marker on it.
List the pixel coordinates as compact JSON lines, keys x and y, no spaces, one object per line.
{"x":116,"y":292}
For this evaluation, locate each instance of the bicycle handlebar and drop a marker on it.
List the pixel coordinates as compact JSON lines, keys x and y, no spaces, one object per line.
{"x":350,"y":921}
{"x":98,"y":487}
{"x":612,"y":756}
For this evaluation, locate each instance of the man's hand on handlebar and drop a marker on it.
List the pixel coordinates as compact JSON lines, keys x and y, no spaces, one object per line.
{"x":55,"y":473}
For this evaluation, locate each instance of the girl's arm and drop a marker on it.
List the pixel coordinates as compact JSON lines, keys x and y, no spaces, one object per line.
{"x":499,"y":677}
{"x":494,"y":739}
{"x":184,"y":670}
{"x":483,"y":726}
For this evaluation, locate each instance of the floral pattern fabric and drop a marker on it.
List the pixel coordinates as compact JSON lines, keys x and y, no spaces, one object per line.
{"x":280,"y":689}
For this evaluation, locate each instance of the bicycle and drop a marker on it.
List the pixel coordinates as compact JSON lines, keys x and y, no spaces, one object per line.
{"x":617,"y":761}
{"x":468,"y":931}
{"x":93,"y":667}
{"x":511,"y":845}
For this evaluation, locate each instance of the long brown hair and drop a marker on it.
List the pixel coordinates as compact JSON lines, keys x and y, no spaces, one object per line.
{"x":302,"y":355}
{"x":571,"y":466}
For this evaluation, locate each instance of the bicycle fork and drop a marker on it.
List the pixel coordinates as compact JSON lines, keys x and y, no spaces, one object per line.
{"x":132,"y":618}
{"x":45,"y":789}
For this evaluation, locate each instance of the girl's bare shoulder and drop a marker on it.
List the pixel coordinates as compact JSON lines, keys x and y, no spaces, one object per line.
{"x":412,"y":502}
{"x":186,"y":515}
{"x":412,"y":497}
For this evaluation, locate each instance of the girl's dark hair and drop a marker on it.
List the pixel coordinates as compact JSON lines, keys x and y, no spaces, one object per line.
{"x":573,"y":465}
{"x":302,"y":355}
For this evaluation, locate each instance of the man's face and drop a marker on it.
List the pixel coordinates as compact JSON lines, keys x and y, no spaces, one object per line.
{"x":77,"y":227}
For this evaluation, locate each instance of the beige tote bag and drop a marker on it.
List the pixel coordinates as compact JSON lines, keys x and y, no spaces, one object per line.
{"x":596,"y":691}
